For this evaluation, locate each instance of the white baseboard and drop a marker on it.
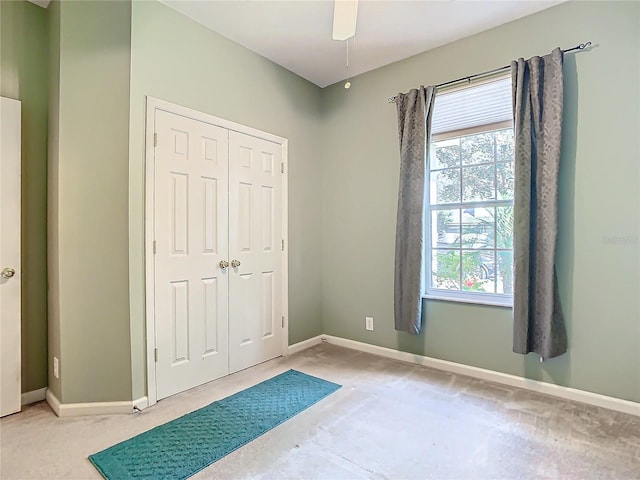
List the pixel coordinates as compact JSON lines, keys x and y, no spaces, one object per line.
{"x":303,"y":345}
{"x":141,"y":403}
{"x":53,"y":402}
{"x":558,"y":391}
{"x":33,"y":396}
{"x":92,"y":408}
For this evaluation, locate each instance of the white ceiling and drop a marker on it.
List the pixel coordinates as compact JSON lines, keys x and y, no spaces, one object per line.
{"x":297,"y":33}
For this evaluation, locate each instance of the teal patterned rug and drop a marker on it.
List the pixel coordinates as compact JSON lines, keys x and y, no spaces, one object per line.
{"x":186,"y":445}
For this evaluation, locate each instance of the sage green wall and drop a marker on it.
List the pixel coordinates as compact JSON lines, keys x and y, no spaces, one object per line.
{"x":89,"y":290}
{"x":176,"y":59}
{"x":23,"y":76}
{"x":598,"y":245}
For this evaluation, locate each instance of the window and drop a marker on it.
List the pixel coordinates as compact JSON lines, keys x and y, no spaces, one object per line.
{"x":470,"y":196}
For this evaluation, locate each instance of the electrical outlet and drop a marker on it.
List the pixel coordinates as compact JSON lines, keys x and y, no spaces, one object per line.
{"x":368,"y":323}
{"x":56,"y":367}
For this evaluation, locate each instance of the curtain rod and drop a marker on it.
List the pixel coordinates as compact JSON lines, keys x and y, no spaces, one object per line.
{"x":582,"y":46}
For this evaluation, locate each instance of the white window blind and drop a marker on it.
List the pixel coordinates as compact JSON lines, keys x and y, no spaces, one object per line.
{"x":470,"y":107}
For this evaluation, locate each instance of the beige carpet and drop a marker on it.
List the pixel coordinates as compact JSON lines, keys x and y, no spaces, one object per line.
{"x":391,"y":420}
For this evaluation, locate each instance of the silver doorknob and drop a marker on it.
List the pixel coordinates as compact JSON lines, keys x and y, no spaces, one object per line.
{"x":8,"y":273}
{"x":235,"y":263}
{"x":224,"y":264}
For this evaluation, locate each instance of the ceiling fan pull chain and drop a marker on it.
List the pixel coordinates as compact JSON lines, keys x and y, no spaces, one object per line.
{"x":347,"y":84}
{"x":347,"y":40}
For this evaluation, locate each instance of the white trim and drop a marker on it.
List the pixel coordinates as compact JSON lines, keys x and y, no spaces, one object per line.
{"x":153,"y":104}
{"x":141,"y":403}
{"x":93,"y":408}
{"x":285,"y":252}
{"x":303,"y":345}
{"x":53,"y":402}
{"x":489,"y":127}
{"x":34,"y":396}
{"x":454,"y":296}
{"x":149,"y":271}
{"x":567,"y":393}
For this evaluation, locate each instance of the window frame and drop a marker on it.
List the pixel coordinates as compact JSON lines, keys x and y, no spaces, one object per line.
{"x":461,"y":296}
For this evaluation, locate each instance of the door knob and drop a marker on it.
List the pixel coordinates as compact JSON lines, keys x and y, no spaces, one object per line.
{"x":235,"y":263}
{"x":10,"y":272}
{"x":224,"y":264}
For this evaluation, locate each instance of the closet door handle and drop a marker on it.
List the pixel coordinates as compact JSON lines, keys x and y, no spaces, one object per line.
{"x":223,"y":264}
{"x":235,"y":263}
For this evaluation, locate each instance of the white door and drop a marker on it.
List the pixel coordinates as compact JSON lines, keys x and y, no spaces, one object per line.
{"x":9,"y":256}
{"x":255,"y":236}
{"x":191,"y":234}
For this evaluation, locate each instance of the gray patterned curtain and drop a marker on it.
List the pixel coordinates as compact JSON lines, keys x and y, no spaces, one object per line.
{"x":414,"y":128}
{"x":537,"y":106}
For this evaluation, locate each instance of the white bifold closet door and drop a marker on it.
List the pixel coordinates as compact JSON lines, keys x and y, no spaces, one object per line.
{"x":217,"y":200}
{"x":255,"y":226}
{"x":191,"y":232}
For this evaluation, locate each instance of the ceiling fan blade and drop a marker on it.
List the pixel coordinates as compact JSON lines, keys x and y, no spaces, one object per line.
{"x":345,"y":14}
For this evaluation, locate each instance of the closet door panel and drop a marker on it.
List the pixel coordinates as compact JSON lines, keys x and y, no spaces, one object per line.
{"x":255,"y":226}
{"x":191,"y":232}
